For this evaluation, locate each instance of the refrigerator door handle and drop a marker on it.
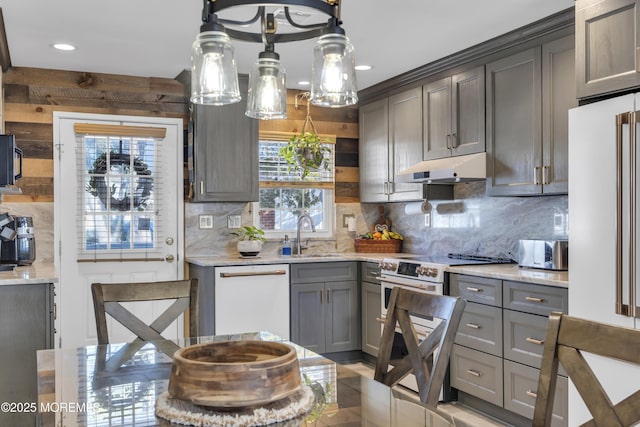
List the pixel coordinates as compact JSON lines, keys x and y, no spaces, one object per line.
{"x":622,"y":120}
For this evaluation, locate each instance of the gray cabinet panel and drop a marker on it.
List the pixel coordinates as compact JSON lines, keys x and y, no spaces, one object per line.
{"x":453,"y":118}
{"x":390,"y":141}
{"x":405,"y":148}
{"x":325,"y":302}
{"x":524,"y":336}
{"x":606,"y":38}
{"x":307,"y":316}
{"x":514,"y":123}
{"x":324,"y":272}
{"x":477,"y":373}
{"x":436,"y":121}
{"x":373,"y":148}
{"x":370,"y":272}
{"x":558,"y":96}
{"x":27,"y":326}
{"x":206,"y":289}
{"x":481,"y":328}
{"x":477,"y":289}
{"x":537,"y":299}
{"x":520,"y":385}
{"x":224,"y":153}
{"x":371,"y":328}
{"x":468,"y":112}
{"x":343,"y":317}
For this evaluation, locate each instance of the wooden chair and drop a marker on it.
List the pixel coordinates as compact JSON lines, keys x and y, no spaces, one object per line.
{"x":427,"y":360}
{"x":108,"y":296}
{"x":567,"y":337}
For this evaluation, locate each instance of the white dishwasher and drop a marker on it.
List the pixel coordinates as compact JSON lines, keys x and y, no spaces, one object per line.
{"x":252,"y":298}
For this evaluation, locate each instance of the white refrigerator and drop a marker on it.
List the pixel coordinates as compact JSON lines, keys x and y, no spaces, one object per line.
{"x":604,"y":230}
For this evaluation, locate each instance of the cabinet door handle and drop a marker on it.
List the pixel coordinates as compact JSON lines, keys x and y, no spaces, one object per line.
{"x":380,"y":320}
{"x":454,"y":140}
{"x":536,"y":175}
{"x":392,"y":187}
{"x":546,"y":175}
{"x":534,"y":341}
{"x":474,"y":289}
{"x":473,"y":325}
{"x":531,"y":393}
{"x":474,"y":373}
{"x":201,"y":187}
{"x":254,"y":273}
{"x":329,"y":296}
{"x":448,"y":141}
{"x":534,"y":299}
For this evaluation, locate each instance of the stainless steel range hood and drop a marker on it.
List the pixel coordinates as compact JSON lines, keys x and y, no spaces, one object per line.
{"x":471,"y":167}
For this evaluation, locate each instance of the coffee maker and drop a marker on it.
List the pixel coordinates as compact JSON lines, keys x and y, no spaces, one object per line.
{"x":18,"y":244}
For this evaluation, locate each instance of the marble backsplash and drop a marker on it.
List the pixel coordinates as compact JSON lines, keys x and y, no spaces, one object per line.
{"x":472,"y":223}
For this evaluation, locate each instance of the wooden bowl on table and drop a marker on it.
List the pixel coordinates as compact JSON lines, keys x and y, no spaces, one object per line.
{"x":234,"y":374}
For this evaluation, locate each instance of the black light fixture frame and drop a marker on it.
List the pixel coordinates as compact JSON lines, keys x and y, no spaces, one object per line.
{"x":331,"y":8}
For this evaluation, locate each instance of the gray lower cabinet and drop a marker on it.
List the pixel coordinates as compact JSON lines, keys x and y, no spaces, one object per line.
{"x":223,"y":152}
{"x":453,"y":115}
{"x":206,"y":291}
{"x":27,"y":326}
{"x":607,"y":44}
{"x":528,"y":96}
{"x":498,"y":348}
{"x":371,"y":307}
{"x":325,"y":315}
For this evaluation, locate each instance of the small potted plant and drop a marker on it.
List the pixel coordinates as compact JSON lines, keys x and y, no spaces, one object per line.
{"x":306,"y":153}
{"x":250,"y":240}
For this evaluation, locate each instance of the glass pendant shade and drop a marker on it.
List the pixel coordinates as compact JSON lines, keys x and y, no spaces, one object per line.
{"x":214,"y":75}
{"x":267,"y":95}
{"x":333,"y":82}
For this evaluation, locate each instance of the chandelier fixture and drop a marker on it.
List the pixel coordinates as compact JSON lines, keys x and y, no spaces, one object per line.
{"x":214,"y":75}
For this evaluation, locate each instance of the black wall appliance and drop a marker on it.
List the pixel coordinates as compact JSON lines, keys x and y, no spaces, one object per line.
{"x":10,"y":161}
{"x":21,"y":249}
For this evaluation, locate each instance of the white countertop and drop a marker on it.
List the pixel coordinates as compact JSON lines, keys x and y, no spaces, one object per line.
{"x":513,"y":272}
{"x":32,"y":274}
{"x":497,"y":271}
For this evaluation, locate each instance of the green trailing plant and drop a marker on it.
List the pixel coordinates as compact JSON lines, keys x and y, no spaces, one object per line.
{"x":305,"y":152}
{"x":249,"y":232}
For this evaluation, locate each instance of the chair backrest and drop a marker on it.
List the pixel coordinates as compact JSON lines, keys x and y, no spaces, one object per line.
{"x":108,"y":296}
{"x":427,"y":359}
{"x":567,"y":338}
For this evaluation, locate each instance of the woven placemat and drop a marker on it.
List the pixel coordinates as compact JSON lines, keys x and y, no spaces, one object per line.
{"x":186,"y":413}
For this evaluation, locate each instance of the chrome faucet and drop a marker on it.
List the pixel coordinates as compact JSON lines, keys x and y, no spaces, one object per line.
{"x":303,"y":218}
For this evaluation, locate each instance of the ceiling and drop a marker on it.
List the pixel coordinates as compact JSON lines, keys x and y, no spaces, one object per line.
{"x":153,"y":39}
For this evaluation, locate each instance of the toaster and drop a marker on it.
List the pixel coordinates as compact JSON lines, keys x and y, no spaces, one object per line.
{"x":545,"y":254}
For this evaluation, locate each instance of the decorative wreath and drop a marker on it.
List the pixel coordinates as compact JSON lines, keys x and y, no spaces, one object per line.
{"x":97,"y":186}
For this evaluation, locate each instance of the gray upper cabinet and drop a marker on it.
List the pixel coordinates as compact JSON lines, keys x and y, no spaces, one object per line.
{"x":223,"y":158}
{"x":528,"y":96}
{"x":453,"y":115}
{"x":390,"y":141}
{"x":607,"y":40}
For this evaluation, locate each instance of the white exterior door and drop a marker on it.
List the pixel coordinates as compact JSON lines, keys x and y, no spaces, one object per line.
{"x":118,"y":214}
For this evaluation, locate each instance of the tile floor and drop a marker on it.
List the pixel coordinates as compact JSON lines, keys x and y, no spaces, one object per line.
{"x":463,"y":416}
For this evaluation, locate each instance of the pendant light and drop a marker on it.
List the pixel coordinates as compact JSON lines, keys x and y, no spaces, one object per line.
{"x":333,"y":81}
{"x":214,"y":76}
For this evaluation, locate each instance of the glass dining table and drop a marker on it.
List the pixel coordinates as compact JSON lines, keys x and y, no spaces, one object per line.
{"x":79,"y":387}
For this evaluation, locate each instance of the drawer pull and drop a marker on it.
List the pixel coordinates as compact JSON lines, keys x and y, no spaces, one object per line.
{"x":473,"y":325}
{"x":474,"y":373}
{"x":473,"y":289}
{"x":534,"y":299}
{"x":380,"y":320}
{"x":535,"y":341}
{"x":532,"y":394}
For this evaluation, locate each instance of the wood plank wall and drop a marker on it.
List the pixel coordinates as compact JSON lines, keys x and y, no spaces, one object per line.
{"x":32,"y":95}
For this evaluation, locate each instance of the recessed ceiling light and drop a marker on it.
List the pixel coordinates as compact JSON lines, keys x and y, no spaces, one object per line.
{"x":363,"y":67}
{"x":63,"y":46}
{"x":304,"y":83}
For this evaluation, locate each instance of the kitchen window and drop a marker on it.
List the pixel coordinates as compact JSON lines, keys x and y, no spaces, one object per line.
{"x":284,"y":195}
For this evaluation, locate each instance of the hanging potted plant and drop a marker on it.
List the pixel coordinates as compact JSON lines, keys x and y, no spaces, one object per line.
{"x":250,"y":240}
{"x":306,"y":152}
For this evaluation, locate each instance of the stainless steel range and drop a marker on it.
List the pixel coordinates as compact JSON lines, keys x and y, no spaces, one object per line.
{"x":427,"y":275}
